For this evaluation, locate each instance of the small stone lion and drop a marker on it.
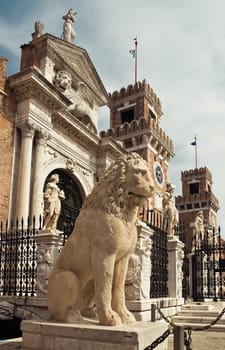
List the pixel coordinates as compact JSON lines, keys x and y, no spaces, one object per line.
{"x":92,"y":266}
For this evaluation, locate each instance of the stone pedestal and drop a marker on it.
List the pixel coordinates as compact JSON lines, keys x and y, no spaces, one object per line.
{"x":138,"y":278}
{"x":49,"y":245}
{"x":91,"y":336}
{"x":142,"y":309}
{"x":175,"y":263}
{"x":137,"y":288}
{"x":139,"y":268}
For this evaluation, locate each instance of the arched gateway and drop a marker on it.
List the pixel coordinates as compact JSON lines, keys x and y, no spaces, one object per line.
{"x":71,"y":204}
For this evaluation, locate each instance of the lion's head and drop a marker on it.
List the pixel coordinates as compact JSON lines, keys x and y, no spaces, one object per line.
{"x":123,"y":186}
{"x":63,"y":81}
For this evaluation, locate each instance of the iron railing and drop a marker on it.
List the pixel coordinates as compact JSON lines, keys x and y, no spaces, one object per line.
{"x":159,"y":256}
{"x":207,"y":262}
{"x":18,"y":258}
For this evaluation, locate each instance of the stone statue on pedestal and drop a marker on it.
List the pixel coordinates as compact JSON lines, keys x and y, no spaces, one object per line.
{"x":68,"y":31}
{"x":92,"y":266}
{"x":52,"y":203}
{"x":170,"y":217}
{"x":198,"y":230}
{"x":39,"y":29}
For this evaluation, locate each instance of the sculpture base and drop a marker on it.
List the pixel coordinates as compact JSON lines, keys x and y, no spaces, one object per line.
{"x":142,"y":309}
{"x":46,"y":335}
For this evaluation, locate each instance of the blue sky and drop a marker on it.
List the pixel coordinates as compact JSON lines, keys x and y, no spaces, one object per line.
{"x":181,"y":53}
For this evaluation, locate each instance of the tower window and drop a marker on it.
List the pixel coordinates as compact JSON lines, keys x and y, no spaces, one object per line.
{"x":152,"y":115}
{"x":194,"y":187}
{"x":127,"y":116}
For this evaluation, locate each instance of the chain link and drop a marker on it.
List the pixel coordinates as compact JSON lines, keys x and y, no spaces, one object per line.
{"x":187,"y":339}
{"x":172,"y":324}
{"x":159,"y":340}
{"x":208,"y":325}
{"x":187,"y":331}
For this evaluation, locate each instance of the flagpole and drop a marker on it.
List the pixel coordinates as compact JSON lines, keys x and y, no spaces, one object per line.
{"x":196,"y":153}
{"x":135,"y":76}
{"x":194,"y":143}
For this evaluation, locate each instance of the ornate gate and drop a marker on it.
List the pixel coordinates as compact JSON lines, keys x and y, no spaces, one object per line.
{"x":208,"y":267}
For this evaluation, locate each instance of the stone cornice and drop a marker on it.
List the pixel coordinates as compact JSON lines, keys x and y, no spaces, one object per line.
{"x":75,"y":130}
{"x":110,"y":146}
{"x":31,"y":83}
{"x":70,"y":125}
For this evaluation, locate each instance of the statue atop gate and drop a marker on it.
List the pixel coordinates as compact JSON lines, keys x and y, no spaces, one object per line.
{"x":68,"y":31}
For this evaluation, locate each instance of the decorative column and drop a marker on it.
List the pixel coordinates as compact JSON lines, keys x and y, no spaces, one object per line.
{"x":49,"y":245}
{"x":175,"y":263}
{"x":24,"y":175}
{"x":37,"y":193}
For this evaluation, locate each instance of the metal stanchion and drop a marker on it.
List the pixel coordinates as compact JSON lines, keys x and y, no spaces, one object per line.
{"x":178,"y":333}
{"x":153,"y":312}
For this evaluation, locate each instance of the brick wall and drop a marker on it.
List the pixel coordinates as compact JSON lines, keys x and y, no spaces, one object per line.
{"x":6,"y":142}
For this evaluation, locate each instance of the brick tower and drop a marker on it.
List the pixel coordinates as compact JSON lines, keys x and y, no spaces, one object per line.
{"x":197,"y":195}
{"x":135,"y":114}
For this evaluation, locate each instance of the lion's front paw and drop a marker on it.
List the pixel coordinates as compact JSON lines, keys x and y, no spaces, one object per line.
{"x":110,"y":319}
{"x":127,"y":317}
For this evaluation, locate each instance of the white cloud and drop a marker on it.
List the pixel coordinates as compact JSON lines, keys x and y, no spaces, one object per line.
{"x":181,"y":53}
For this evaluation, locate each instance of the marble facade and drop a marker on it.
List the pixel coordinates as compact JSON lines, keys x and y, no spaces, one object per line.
{"x":52,"y":130}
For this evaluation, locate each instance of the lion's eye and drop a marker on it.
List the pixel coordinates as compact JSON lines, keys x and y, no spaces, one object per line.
{"x":141,"y":172}
{"x":144,"y":172}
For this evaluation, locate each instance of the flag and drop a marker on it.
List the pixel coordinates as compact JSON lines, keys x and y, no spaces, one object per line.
{"x":194,"y":143}
{"x":133,"y":52}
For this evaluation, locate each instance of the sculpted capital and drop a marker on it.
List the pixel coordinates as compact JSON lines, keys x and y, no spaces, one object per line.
{"x":27,"y":130}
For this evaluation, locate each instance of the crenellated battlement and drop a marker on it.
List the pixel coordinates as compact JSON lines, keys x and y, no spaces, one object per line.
{"x":204,"y":200}
{"x":130,"y":90}
{"x":203,"y":171}
{"x":141,"y":131}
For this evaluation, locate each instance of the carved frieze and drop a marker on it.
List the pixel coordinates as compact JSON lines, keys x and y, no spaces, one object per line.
{"x":40,"y":111}
{"x":44,"y":266}
{"x":139,"y":270}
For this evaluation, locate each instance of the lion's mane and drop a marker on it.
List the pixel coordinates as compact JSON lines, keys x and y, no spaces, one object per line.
{"x":109,"y":193}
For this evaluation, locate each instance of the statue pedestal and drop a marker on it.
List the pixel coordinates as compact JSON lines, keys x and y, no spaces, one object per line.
{"x":175,"y":263}
{"x":48,"y":246}
{"x":46,"y":335}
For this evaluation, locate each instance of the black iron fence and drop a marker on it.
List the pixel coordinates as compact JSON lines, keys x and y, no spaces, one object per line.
{"x":208,"y":257}
{"x":159,"y":255}
{"x":18,"y":268}
{"x":18,"y":258}
{"x":204,"y":266}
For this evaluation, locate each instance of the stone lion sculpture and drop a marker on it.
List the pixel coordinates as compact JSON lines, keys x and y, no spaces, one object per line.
{"x":82,"y":105}
{"x":92,"y":266}
{"x":63,"y":82}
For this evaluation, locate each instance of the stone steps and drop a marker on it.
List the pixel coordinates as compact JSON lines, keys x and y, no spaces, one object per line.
{"x":198,"y":315}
